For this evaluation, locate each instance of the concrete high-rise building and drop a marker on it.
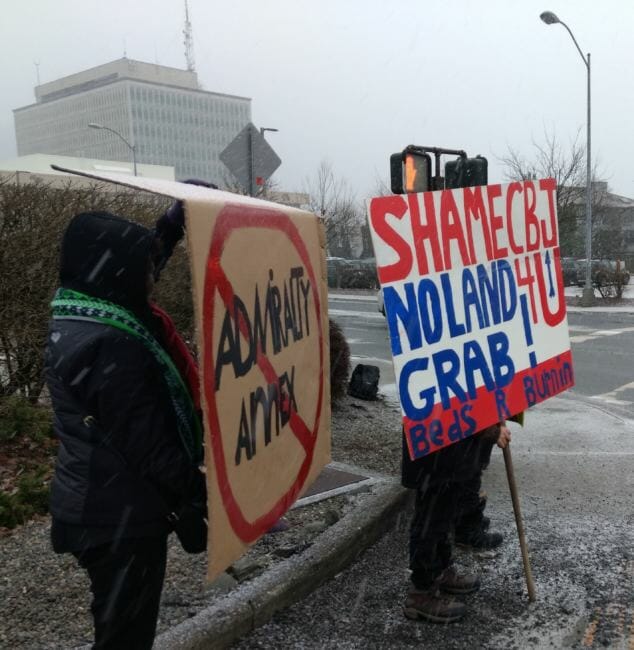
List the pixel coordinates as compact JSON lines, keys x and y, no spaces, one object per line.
{"x":162,"y":111}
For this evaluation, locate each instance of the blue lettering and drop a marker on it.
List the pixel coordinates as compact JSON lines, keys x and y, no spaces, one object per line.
{"x":460,"y":418}
{"x":503,"y":367}
{"x":454,"y":432}
{"x":408,"y":315}
{"x":471,"y":299}
{"x":435,"y":433}
{"x":474,"y":361}
{"x":427,"y":395}
{"x":447,"y":368}
{"x":469,"y":421}
{"x":500,"y":402}
{"x":508,"y":301}
{"x":529,"y":391}
{"x":428,"y":298}
{"x":418,"y":436}
{"x":490,"y":287}
{"x":455,"y":329}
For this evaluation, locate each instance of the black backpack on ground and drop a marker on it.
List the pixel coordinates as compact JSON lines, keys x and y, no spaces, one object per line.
{"x":364,"y":382}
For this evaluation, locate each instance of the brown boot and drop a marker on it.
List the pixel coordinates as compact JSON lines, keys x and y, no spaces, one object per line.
{"x":429,"y":605}
{"x":452,"y":582}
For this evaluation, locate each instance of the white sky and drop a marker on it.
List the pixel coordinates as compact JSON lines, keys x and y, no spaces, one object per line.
{"x":353,"y":81}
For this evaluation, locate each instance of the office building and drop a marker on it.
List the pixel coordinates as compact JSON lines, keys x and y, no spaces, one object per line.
{"x":162,"y":111}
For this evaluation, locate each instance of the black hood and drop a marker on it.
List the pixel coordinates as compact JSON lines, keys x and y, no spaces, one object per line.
{"x":107,"y":256}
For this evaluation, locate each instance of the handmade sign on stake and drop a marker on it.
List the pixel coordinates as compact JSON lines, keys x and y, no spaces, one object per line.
{"x":475,"y":306}
{"x":258,"y":279}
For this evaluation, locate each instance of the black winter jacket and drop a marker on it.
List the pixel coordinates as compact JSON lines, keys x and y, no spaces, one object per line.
{"x":120,"y":462}
{"x":120,"y":454}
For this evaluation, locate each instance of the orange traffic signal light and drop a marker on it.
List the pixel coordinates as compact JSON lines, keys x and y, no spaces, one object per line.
{"x":410,"y":172}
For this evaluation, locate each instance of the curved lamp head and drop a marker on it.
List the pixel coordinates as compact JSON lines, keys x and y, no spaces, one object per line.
{"x":94,"y":125}
{"x":549,"y":17}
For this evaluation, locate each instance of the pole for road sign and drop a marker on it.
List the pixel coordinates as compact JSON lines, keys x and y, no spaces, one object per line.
{"x":251,"y":183}
{"x":249,"y":156}
{"x":510,"y":475}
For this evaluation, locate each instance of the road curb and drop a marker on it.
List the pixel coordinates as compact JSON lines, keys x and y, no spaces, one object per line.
{"x":251,"y":605}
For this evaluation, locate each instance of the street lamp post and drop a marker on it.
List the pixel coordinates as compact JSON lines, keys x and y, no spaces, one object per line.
{"x":587,"y":298}
{"x":94,"y":125}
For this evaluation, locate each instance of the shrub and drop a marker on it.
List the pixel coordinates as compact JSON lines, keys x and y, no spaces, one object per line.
{"x":33,"y":217}
{"x":18,"y":417}
{"x":28,"y":499}
{"x":361,"y":277}
{"x":339,"y":362}
{"x":612,"y":279}
{"x":27,"y":450}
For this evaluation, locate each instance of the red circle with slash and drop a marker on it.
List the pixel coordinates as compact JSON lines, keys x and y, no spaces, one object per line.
{"x":230,"y":219}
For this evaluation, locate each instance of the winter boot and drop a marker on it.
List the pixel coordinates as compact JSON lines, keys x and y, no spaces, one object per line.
{"x":429,"y":605}
{"x":452,"y":582}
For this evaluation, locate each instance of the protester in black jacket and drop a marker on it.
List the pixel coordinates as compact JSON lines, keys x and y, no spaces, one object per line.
{"x":130,"y":436}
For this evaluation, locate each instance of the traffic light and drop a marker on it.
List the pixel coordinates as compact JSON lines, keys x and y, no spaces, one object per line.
{"x":466,"y":172}
{"x":410,"y":172}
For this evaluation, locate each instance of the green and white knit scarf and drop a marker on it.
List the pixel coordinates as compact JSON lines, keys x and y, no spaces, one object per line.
{"x":73,"y":305}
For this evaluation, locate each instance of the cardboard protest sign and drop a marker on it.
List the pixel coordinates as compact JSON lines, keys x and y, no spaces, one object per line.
{"x":258,"y":275}
{"x":258,"y":279}
{"x":475,"y":306}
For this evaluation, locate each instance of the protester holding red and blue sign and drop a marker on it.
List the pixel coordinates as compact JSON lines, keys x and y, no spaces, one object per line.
{"x":441,"y":480}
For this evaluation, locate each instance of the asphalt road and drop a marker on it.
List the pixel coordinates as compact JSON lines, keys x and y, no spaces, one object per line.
{"x":602,"y":346}
{"x":603,"y":354}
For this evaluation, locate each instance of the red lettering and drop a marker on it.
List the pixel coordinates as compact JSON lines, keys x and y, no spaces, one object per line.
{"x":451,"y":227}
{"x":551,"y":318}
{"x":550,"y":186}
{"x":474,"y":208}
{"x":531,"y":220}
{"x":512,"y":189}
{"x":380,"y":208}
{"x":527,"y":280}
{"x":496,"y":220}
{"x":429,"y":230}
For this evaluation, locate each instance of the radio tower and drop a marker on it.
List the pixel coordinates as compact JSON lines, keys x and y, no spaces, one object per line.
{"x":188,"y":42}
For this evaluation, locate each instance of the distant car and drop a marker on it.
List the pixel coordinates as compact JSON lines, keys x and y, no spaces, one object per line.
{"x":603,"y":273}
{"x":335,"y":268}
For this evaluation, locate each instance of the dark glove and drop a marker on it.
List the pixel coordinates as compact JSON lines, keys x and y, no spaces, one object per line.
{"x":170,"y":227}
{"x":175,"y":215}
{"x":490,"y":434}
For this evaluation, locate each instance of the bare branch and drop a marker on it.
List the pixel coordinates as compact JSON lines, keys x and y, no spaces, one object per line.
{"x":334,"y":201}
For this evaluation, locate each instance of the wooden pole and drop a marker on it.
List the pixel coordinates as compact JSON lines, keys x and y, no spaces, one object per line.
{"x":510,"y":475}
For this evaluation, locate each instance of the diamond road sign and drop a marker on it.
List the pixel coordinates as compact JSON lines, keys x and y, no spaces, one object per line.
{"x":249,"y":156}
